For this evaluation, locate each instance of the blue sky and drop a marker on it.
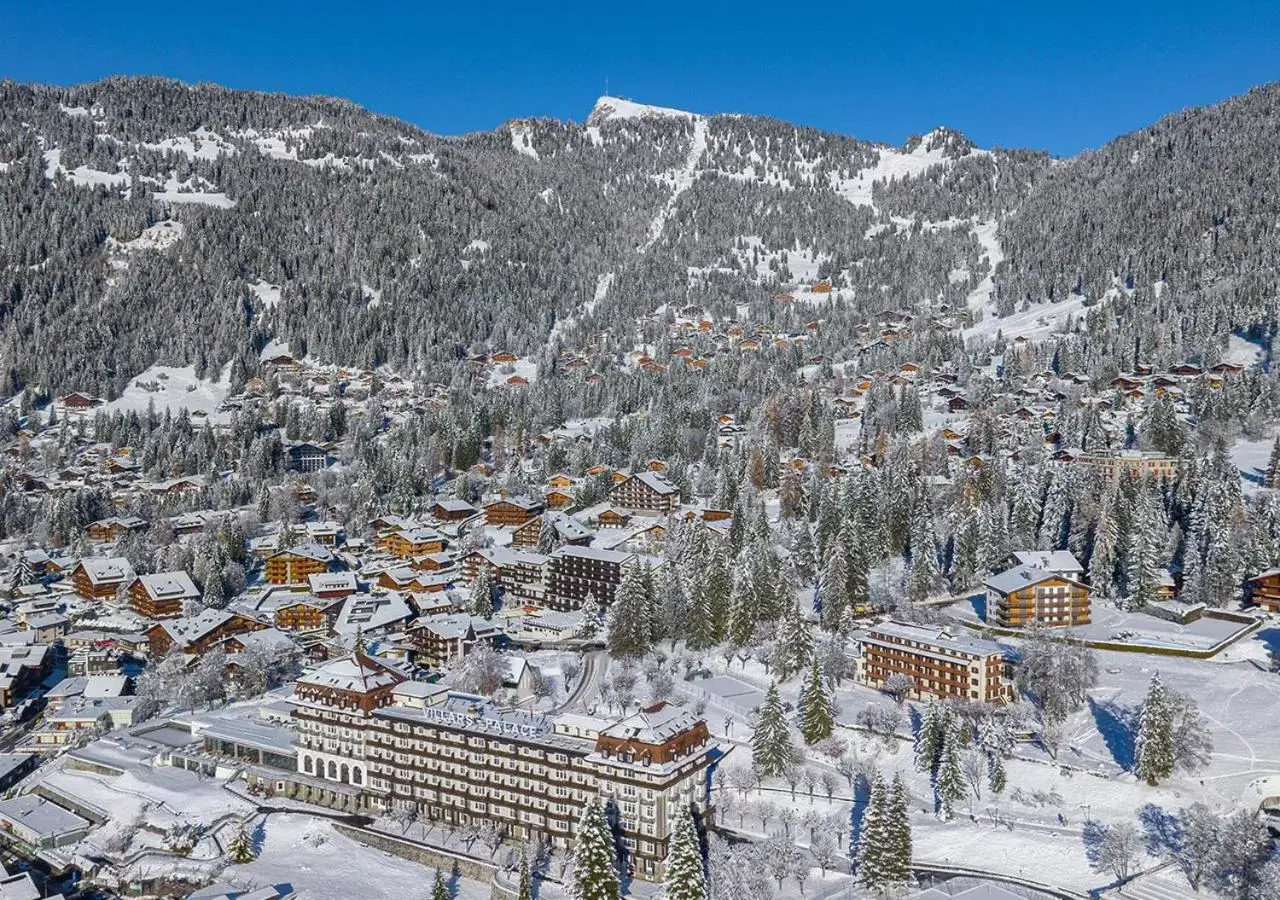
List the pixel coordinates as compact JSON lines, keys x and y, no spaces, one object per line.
{"x":1061,"y":76}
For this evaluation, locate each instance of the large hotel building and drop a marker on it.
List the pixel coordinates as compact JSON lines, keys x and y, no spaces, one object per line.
{"x":460,"y":759}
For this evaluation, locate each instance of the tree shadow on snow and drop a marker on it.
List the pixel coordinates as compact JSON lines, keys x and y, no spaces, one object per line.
{"x":1162,"y":830}
{"x":1270,"y":638}
{"x":979,"y":604}
{"x":1115,"y":725}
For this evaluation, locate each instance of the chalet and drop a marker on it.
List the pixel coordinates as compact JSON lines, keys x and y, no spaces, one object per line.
{"x":1026,"y":595}
{"x":1264,"y":590}
{"x":22,"y":667}
{"x":568,"y":530}
{"x":112,"y":529}
{"x":332,"y":585}
{"x":646,"y":491}
{"x":512,"y":510}
{"x":295,"y":565}
{"x":163,"y":595}
{"x":99,"y":578}
{"x":196,"y":634}
{"x":79,"y":401}
{"x":413,"y":542}
{"x":443,"y":638}
{"x":557,"y":498}
{"x":452,"y":510}
{"x":373,"y":614}
{"x":307,"y":613}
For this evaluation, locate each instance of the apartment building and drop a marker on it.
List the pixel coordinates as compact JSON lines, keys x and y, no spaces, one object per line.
{"x":940,"y":663}
{"x":576,"y":573}
{"x":1114,"y":463}
{"x":1028,"y":595}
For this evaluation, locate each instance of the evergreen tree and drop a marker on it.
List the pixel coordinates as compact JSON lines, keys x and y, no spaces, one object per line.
{"x":439,"y":887}
{"x":1144,"y":555}
{"x":949,"y":782}
{"x":897,"y":858}
{"x":1273,"y":467}
{"x":835,"y":589}
{"x":997,"y":778}
{"x":816,"y":717}
{"x":875,"y":840}
{"x":590,"y":626}
{"x":742,"y":607}
{"x":795,"y":642}
{"x":718,"y":586}
{"x":771,"y":748}
{"x":628,"y":616}
{"x":1153,"y":748}
{"x":686,"y":877}
{"x":934,"y":723}
{"x":923,"y":578}
{"x":525,"y":891}
{"x":240,"y":847}
{"x":480,"y":602}
{"x":595,"y":857}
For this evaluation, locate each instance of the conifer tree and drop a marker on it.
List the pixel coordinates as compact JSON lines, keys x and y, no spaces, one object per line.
{"x":628,"y":616}
{"x":686,"y":877}
{"x":898,"y":839}
{"x":835,"y":589}
{"x":439,"y":888}
{"x":595,"y":857}
{"x":997,"y":779}
{"x":795,"y":642}
{"x":590,"y":626}
{"x":934,"y":723}
{"x":718,"y":586}
{"x":816,"y":718}
{"x":240,"y":848}
{"x":1143,"y":556}
{"x":874,"y":839}
{"x":742,"y":608}
{"x":949,"y":782}
{"x":1273,"y":467}
{"x":1153,"y":748}
{"x":771,"y":748}
{"x":525,"y":891}
{"x":480,"y":602}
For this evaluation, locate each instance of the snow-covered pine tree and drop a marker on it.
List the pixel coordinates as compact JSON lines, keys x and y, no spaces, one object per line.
{"x":835,"y":588}
{"x":1106,"y":540}
{"x":743,"y":611}
{"x":771,"y":748}
{"x":897,"y":858}
{"x":686,"y":877}
{"x":795,"y":642}
{"x":590,"y":626}
{"x":1153,"y":748}
{"x":628,"y":616}
{"x":1145,"y":551}
{"x":1273,"y":467}
{"x":595,"y":857}
{"x":480,"y":600}
{"x":816,"y":719}
{"x":874,"y":839}
{"x":949,"y":782}
{"x":672,"y":602}
{"x":934,"y":722}
{"x":718,"y":587}
{"x":924,"y":574}
{"x":439,"y":887}
{"x":997,"y":778}
{"x":525,"y":890}
{"x":240,"y":847}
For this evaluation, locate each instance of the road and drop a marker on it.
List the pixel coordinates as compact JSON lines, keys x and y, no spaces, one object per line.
{"x":595,"y":665}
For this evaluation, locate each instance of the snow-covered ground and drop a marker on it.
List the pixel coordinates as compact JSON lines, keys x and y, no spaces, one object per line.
{"x":1252,"y":459}
{"x":1243,"y":352}
{"x":269,"y":294}
{"x":891,"y":164}
{"x":615,"y":108}
{"x":1037,"y":322}
{"x":500,"y":374}
{"x":320,"y":864}
{"x":682,"y":180}
{"x":172,"y":388}
{"x":522,"y":140}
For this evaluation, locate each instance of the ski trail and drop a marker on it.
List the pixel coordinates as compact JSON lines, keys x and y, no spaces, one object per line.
{"x":683,"y":181}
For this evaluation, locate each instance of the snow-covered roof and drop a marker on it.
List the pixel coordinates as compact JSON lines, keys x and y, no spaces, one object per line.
{"x":1062,"y":561}
{"x":169,"y":585}
{"x":1019,"y":577}
{"x":655,"y":725}
{"x":107,"y":570}
{"x":353,"y":672}
{"x":366,"y":612}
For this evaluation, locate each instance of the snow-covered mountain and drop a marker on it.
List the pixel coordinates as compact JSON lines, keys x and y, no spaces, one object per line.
{"x":142,"y":217}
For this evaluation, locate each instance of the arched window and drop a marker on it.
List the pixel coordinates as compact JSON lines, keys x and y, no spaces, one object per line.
{"x":306,"y":764}
{"x":333,"y":771}
{"x":357,"y":777}
{"x":345,"y":778}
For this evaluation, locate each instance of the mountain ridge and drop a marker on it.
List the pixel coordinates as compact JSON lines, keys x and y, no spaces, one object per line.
{"x":291,"y":191}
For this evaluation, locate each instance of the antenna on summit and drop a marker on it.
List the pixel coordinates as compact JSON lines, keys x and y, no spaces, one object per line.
{"x":606,"y":85}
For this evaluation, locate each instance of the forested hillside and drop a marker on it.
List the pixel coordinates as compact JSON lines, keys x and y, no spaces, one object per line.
{"x":145,"y":221}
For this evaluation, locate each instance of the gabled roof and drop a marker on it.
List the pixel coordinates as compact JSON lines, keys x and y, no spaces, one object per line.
{"x":354,"y":672}
{"x":1062,"y":561}
{"x":655,"y":725}
{"x":1020,"y":577}
{"x":107,"y":570}
{"x":169,"y":585}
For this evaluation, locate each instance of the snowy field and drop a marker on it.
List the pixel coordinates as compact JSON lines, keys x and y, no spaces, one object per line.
{"x":1019,"y":833}
{"x":171,"y":388}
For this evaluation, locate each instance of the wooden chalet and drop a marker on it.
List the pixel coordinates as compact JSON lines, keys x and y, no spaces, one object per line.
{"x":294,"y":565}
{"x":196,"y":634}
{"x":163,"y":595}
